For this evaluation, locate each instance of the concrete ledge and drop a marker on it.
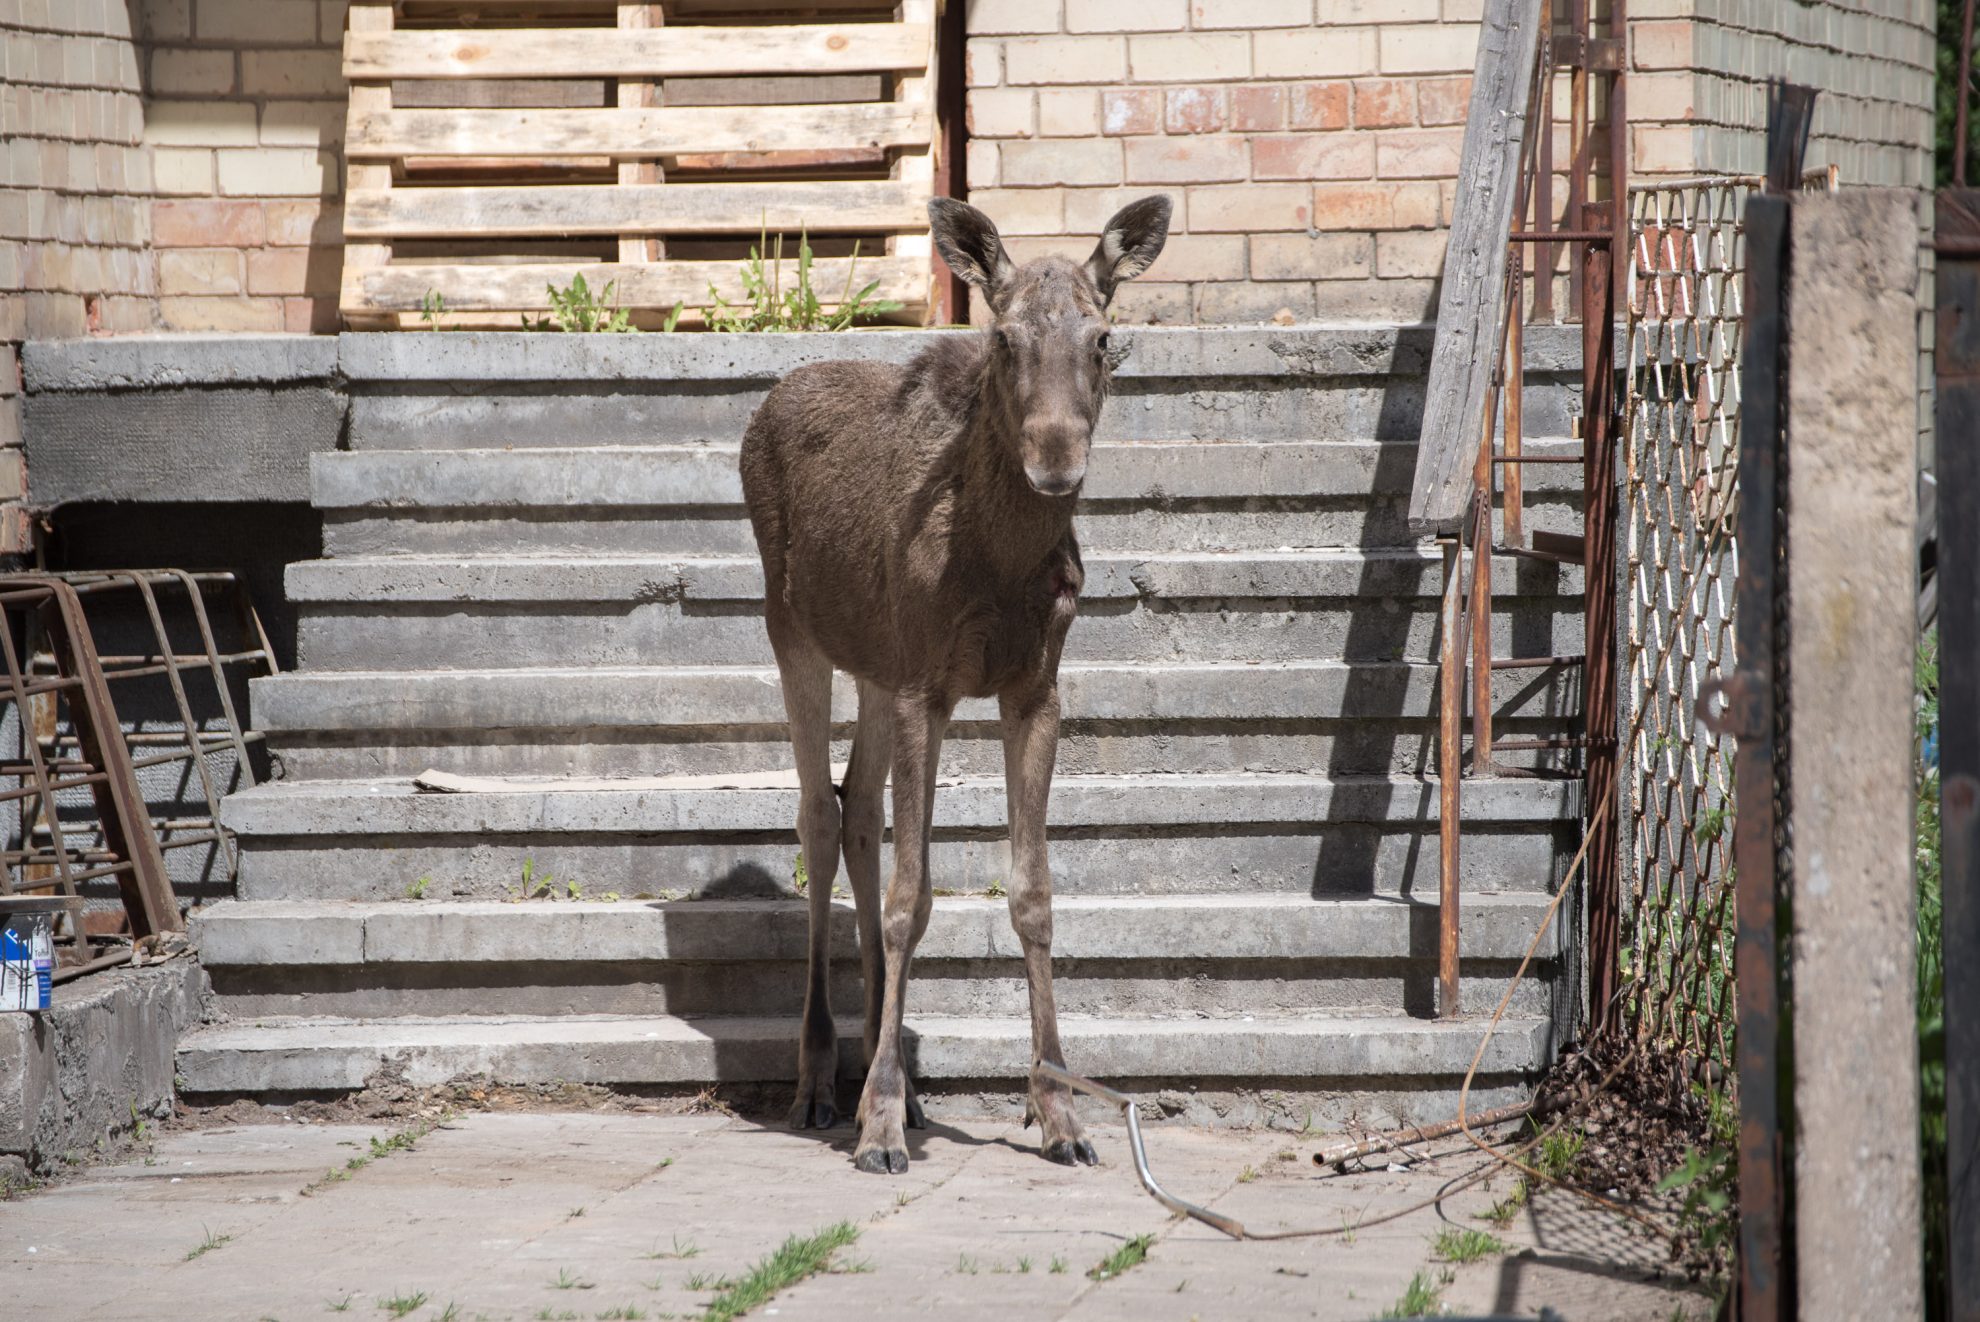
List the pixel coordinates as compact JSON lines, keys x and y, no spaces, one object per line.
{"x":300,"y":1056}
{"x":628,"y":476}
{"x":360,"y":809}
{"x":1274,"y":928}
{"x":156,"y":362}
{"x":619,"y":697}
{"x":1212,"y":351}
{"x":1314,"y":574}
{"x":102,"y":1057}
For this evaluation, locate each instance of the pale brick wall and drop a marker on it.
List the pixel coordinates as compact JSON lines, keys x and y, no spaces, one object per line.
{"x":74,"y":220}
{"x":245,"y":121}
{"x":1702,"y":67}
{"x":1309,"y":144}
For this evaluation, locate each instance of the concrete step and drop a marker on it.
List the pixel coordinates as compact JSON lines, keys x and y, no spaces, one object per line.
{"x":686,"y":499}
{"x":284,"y":1057}
{"x":1174,"y":955}
{"x":1267,"y":382}
{"x":1368,"y":716}
{"x":1314,"y":835}
{"x":406,"y":612}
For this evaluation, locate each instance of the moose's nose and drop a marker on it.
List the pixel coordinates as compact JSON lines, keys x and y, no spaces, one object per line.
{"x":1047,"y":482}
{"x":1054,"y":454}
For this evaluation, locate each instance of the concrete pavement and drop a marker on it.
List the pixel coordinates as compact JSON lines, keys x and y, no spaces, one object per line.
{"x":581,"y":1215}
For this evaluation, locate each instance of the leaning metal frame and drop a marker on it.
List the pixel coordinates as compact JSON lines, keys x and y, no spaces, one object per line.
{"x":1595,"y":233}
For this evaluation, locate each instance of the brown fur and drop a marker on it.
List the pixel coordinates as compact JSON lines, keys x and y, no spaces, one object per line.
{"x":915,"y":525}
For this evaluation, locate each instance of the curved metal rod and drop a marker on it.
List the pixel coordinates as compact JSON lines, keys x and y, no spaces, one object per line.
{"x":1215,"y":1220}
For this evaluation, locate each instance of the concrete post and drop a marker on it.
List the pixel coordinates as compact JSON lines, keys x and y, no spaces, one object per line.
{"x":1851,"y":463}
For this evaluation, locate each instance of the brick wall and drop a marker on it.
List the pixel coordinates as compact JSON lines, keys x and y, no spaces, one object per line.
{"x":1309,"y":144}
{"x":1703,"y":65}
{"x":74,"y":219}
{"x":244,"y":118}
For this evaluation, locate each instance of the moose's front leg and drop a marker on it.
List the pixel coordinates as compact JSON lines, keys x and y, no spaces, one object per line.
{"x":1031,"y":741}
{"x":920,"y":720}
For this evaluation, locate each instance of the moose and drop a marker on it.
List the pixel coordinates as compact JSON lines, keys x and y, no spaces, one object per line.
{"x":916,"y":529}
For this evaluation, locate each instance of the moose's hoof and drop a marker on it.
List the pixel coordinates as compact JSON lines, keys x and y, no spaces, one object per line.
{"x":810,"y":1113}
{"x":1071,"y":1152}
{"x":881,"y":1161}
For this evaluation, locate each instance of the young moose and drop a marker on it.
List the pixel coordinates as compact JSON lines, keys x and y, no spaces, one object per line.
{"x":916,"y":530}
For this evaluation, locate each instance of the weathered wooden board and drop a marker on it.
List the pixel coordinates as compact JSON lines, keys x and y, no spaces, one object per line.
{"x":473,"y":288}
{"x":498,"y":93}
{"x":652,"y":53}
{"x":1471,"y":306}
{"x":726,"y":208}
{"x":671,"y":131}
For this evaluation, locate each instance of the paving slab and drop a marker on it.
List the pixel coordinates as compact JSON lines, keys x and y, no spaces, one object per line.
{"x":599,"y":1214}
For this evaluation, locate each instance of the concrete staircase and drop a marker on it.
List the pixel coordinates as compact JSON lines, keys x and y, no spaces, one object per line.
{"x":538,"y":568}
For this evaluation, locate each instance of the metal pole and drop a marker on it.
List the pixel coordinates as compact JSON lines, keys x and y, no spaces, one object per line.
{"x":1958,"y":430}
{"x":1598,"y":586}
{"x":1450,"y":737}
{"x":1750,"y":717}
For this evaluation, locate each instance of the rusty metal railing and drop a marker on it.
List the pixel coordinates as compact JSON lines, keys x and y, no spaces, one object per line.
{"x":1595,"y":70}
{"x":71,"y":738}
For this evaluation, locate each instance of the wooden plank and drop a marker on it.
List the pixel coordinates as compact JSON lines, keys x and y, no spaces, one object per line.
{"x":915,"y":166}
{"x":638,"y":96}
{"x":727,"y":208}
{"x":648,"y":284}
{"x":372,"y":18}
{"x":498,"y":93}
{"x":1472,"y":305}
{"x":672,"y":131}
{"x":655,"y":53}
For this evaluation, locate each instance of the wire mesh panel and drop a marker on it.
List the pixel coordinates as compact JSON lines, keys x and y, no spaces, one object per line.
{"x":1680,"y":561}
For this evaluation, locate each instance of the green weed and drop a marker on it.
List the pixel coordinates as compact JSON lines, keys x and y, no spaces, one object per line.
{"x":798,"y":1257}
{"x":577,"y":309}
{"x":566,"y":1281}
{"x":417,"y":891}
{"x":1423,"y":1297}
{"x":400,"y":1305}
{"x":207,"y":1245}
{"x":1461,"y":1246}
{"x":1129,"y":1255}
{"x":767,"y":306}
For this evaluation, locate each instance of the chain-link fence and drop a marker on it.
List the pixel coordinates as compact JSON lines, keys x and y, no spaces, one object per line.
{"x":1679,"y":564}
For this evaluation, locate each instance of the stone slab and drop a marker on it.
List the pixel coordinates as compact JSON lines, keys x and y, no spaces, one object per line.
{"x":355,"y":809}
{"x":673,"y":474}
{"x":1255,"y":927}
{"x":1242,"y":351}
{"x":160,"y":362}
{"x":324,"y":1055}
{"x":599,"y":697}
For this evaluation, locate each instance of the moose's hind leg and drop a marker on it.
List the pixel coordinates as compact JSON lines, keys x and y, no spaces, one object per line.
{"x":807,"y":682}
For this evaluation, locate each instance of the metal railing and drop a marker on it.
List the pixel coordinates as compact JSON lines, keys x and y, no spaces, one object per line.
{"x":1488,"y":462}
{"x":71,"y":738}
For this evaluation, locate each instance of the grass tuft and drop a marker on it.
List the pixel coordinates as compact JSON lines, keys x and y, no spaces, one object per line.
{"x":400,"y":1305}
{"x":210,"y":1243}
{"x":1423,"y":1297}
{"x":1129,"y":1255}
{"x":1462,"y":1246}
{"x":798,"y":1257}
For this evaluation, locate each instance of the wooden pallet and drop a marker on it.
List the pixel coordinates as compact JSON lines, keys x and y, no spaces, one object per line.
{"x":510,"y":145}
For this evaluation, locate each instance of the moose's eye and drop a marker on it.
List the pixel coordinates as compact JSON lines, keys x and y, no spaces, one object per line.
{"x":1003,"y":338}
{"x":1100,"y":345}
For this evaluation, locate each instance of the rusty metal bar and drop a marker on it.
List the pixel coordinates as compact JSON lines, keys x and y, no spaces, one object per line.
{"x":1559,"y":236}
{"x":1543,"y":206}
{"x":1450,"y":738}
{"x":189,"y":721}
{"x":1535,"y":662}
{"x":16,"y":680}
{"x":125,"y":826}
{"x":1958,"y":427}
{"x":1513,"y":514}
{"x":1598,"y":596}
{"x":1763,"y":1293}
{"x":1536,"y":458}
{"x":218,"y":670}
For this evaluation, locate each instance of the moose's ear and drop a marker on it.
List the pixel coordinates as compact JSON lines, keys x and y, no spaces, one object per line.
{"x":969,"y":243}
{"x":1130,"y":244}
